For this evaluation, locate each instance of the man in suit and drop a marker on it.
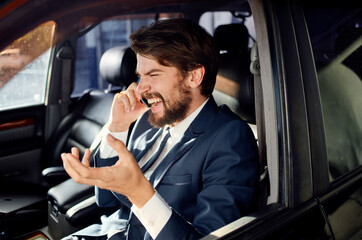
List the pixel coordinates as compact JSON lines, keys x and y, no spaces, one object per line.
{"x":204,"y":176}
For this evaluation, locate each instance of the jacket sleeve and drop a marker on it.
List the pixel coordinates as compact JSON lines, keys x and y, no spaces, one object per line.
{"x":229,"y":179}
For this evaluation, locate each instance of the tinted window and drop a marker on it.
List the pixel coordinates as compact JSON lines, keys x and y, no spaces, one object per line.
{"x":24,"y":68}
{"x":336,"y":42}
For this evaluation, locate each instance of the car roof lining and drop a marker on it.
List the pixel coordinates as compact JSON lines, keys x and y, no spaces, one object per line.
{"x":33,"y":13}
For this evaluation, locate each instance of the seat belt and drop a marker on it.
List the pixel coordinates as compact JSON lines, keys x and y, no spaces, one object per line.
{"x":264,"y":188}
{"x":66,"y":56}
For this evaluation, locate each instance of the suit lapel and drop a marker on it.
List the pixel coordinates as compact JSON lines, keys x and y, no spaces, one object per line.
{"x":173,"y":156}
{"x":201,"y":123}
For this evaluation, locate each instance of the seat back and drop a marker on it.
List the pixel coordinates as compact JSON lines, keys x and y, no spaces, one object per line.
{"x":235,"y":88}
{"x":90,"y":113}
{"x":71,"y":205}
{"x":234,"y":83}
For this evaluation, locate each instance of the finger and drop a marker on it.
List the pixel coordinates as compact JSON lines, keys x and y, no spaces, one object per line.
{"x":68,"y":167}
{"x":75,"y":152}
{"x":125,"y":101}
{"x":118,"y":146}
{"x":64,"y":158}
{"x":86,"y":156}
{"x":90,"y":176}
{"x":133,"y":100}
{"x":122,"y":100}
{"x":79,"y":172}
{"x":134,"y":87}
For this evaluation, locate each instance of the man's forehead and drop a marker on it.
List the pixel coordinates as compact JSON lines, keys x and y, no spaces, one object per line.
{"x":149,"y":64}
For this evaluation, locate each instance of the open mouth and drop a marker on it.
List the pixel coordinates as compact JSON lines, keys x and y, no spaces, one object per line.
{"x":150,"y":102}
{"x":154,"y":103}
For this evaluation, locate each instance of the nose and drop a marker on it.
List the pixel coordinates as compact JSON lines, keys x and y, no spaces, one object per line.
{"x":142,"y":87}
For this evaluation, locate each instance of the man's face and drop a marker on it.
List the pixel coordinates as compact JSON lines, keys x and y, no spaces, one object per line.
{"x":165,"y":90}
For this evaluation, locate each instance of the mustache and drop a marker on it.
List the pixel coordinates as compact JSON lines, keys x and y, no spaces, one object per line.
{"x":152,"y":95}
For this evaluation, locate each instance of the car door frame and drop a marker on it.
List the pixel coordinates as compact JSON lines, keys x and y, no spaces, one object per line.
{"x":293,"y":125}
{"x":22,"y":158}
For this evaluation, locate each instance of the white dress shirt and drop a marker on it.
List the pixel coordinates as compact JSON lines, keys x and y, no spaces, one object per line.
{"x":156,"y":212}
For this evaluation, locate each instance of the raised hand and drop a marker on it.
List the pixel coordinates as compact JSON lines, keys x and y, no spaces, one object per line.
{"x":124,"y":177}
{"x":126,"y":108}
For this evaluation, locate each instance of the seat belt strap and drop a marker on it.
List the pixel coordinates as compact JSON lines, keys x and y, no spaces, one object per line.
{"x":66,"y":55}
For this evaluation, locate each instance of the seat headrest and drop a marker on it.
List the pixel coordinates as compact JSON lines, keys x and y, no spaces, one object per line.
{"x":232,"y":37}
{"x":118,"y":66}
{"x":234,"y":76}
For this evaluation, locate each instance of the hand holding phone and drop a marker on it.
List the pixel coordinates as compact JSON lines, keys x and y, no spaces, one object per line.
{"x":126,"y":108}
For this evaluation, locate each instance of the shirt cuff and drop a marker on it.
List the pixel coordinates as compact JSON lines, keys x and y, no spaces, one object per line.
{"x":105,"y":150}
{"x":153,"y":215}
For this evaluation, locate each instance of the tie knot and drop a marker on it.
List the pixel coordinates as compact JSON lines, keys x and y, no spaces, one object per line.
{"x":167,"y":132}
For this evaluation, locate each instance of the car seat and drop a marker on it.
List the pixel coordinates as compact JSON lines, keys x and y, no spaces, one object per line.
{"x":81,"y":126}
{"x":70,"y":203}
{"x":235,"y":87}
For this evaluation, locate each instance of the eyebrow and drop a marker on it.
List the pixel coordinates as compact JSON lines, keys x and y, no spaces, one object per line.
{"x":149,"y":72}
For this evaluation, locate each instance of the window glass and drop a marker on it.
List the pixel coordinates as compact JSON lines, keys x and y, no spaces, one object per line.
{"x":91,"y":46}
{"x":24,"y":67}
{"x":337,"y":48}
{"x":116,"y":31}
{"x":211,"y":20}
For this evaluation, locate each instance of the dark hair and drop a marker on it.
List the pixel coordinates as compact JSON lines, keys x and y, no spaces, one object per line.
{"x":180,"y":43}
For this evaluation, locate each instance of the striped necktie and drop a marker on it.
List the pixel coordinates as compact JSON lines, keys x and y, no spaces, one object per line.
{"x":157,"y":154}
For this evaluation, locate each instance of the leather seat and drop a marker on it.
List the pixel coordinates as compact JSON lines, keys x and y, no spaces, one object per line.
{"x":81,"y":127}
{"x":234,"y":77}
{"x":235,"y":86}
{"x":71,"y":206}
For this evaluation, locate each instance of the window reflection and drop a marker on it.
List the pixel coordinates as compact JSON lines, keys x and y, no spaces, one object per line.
{"x":24,"y":67}
{"x":337,"y":48}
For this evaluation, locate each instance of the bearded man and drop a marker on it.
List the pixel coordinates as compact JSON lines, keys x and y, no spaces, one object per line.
{"x":190,"y":167}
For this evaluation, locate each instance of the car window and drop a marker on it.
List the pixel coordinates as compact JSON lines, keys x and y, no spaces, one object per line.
{"x":24,"y":67}
{"x":90,"y":47}
{"x":116,"y":31}
{"x":211,"y":20}
{"x":337,"y":47}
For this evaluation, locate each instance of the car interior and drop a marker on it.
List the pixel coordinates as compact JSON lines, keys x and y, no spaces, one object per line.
{"x":38,"y":200}
{"x":65,"y":206}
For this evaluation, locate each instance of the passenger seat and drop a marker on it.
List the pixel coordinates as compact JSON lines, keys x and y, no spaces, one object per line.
{"x":235,"y":87}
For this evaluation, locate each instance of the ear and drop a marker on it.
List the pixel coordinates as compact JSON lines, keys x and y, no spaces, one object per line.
{"x":197,"y":75}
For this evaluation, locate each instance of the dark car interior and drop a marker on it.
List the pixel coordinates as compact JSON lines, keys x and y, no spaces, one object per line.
{"x":297,"y":85}
{"x":66,"y":206}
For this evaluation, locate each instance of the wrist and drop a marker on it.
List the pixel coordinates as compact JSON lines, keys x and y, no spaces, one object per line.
{"x":142,"y":194}
{"x":117,"y":127}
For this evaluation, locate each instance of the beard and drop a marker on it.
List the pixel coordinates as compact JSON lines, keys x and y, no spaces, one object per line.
{"x":175,"y":109}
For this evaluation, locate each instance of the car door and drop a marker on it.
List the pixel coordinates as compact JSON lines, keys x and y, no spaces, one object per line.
{"x":28,"y":112}
{"x":337,"y":46}
{"x":316,"y":144}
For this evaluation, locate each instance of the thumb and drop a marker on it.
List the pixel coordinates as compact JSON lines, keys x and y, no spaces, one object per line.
{"x":117,"y":145}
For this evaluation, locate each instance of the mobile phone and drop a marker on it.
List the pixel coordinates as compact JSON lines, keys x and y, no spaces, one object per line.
{"x":145,"y":102}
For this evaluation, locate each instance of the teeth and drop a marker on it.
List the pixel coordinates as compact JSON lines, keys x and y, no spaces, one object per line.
{"x":153,"y":100}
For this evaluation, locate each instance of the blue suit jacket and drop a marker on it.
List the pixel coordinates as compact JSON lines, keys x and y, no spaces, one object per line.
{"x":209,"y":178}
